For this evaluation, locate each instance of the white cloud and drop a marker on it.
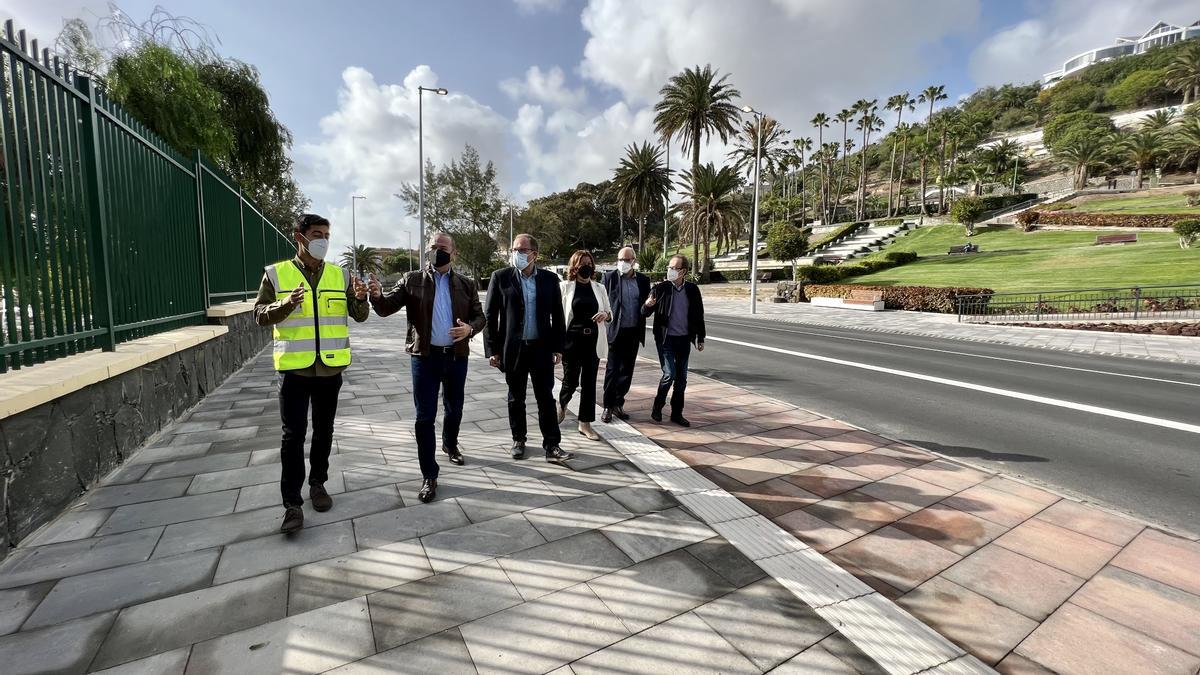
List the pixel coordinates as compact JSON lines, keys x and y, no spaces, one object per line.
{"x":368,"y":146}
{"x":532,"y":6}
{"x":544,"y":87}
{"x":1062,"y":29}
{"x":43,"y":19}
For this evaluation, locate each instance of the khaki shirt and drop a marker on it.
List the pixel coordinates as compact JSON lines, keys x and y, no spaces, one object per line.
{"x":269,"y":311}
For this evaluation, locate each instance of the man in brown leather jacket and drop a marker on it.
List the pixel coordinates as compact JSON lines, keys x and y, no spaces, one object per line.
{"x":443,"y":312}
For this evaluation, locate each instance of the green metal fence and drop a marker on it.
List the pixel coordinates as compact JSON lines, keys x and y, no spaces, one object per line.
{"x":107,"y":233}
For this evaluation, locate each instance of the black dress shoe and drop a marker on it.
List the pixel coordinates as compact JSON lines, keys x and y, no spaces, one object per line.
{"x":606,"y":416}
{"x":321,"y":501}
{"x":518,"y":450}
{"x":619,"y":411}
{"x":656,"y":414}
{"x":428,"y":490}
{"x":456,"y":456}
{"x":680,"y":420}
{"x":557,"y":454}
{"x":293,"y":520}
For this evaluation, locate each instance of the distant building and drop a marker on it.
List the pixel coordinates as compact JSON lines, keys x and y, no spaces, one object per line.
{"x":1160,"y":35}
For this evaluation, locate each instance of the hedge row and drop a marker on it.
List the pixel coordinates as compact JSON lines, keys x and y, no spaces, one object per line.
{"x":744,"y":275}
{"x":911,"y":298}
{"x":1074,"y":218}
{"x":827,"y":274}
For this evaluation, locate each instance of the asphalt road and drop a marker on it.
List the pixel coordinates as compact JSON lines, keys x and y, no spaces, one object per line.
{"x":1120,"y":432}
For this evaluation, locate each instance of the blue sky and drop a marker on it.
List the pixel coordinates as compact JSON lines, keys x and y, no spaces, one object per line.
{"x":552,"y":90}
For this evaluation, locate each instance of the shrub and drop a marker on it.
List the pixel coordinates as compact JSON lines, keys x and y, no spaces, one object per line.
{"x":1188,"y":231}
{"x":1075,"y":219}
{"x":1139,"y":88}
{"x":910,"y":298}
{"x":647,"y":258}
{"x":786,"y":242}
{"x":820,"y":274}
{"x":1059,"y":128}
{"x":1193,"y":197}
{"x":1027,"y":219}
{"x":967,"y":211}
{"x":744,"y":275}
{"x":901,"y":257}
{"x":1061,"y":206}
{"x":1070,"y":96}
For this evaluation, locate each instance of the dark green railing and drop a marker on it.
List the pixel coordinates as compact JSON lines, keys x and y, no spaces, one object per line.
{"x":107,"y":233}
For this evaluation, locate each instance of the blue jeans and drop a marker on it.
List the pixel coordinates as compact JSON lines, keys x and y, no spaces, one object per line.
{"x":429,"y":373}
{"x":673,"y":354}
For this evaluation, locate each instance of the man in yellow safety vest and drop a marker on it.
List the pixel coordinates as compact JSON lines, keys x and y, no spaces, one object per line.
{"x":308,"y":303}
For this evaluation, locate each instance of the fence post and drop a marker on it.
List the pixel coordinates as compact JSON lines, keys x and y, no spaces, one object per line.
{"x":200,"y":228}
{"x":242,"y":225}
{"x":102,"y":279}
{"x":1137,"y":302}
{"x":1039,"y":308}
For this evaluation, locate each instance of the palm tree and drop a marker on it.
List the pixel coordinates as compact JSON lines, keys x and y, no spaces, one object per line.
{"x":898,"y":102}
{"x":821,"y":121}
{"x":1142,"y":147}
{"x":1080,"y":153}
{"x":368,"y":259}
{"x":1183,"y":74}
{"x":641,"y":184}
{"x":946,"y":123}
{"x":866,"y":122}
{"x":930,"y":95}
{"x":844,"y":116}
{"x":695,"y":105}
{"x":998,"y":158}
{"x":802,"y":146}
{"x":904,"y":130}
{"x":745,"y":152}
{"x":1186,"y":141}
{"x":716,"y":202}
{"x":1158,"y":120}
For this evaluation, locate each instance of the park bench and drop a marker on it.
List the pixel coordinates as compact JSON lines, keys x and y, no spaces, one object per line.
{"x":863,"y":297}
{"x":764,"y":277}
{"x":867,"y":300}
{"x":962,"y":250}
{"x":1123,"y":238}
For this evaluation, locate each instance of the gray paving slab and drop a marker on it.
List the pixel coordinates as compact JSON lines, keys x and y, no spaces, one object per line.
{"x":407,"y":523}
{"x":168,"y":453}
{"x":195,"y":465}
{"x":128,"y":473}
{"x":684,"y":644}
{"x":16,"y":604}
{"x":357,"y":574}
{"x":559,"y":564}
{"x":279,"y":551}
{"x":217,"y":481}
{"x":227,"y":529}
{"x":70,"y":526}
{"x":816,"y":660}
{"x":643,"y":498}
{"x":119,"y":495}
{"x":765,"y":622}
{"x":267,"y":494}
{"x":434,"y":604}
{"x":350,"y":505}
{"x":649,"y":536}
{"x":169,"y":511}
{"x":723,"y":558}
{"x":577,"y":515}
{"x":181,"y":620}
{"x":55,"y":561}
{"x":360,"y":478}
{"x":542,"y":635}
{"x":450,"y":485}
{"x":505,"y":501}
{"x":66,"y":648}
{"x":451,"y":549}
{"x":601,"y":479}
{"x":312,"y":642}
{"x":514,"y":472}
{"x":167,"y":663}
{"x":846,"y":652}
{"x":124,"y":586}
{"x":443,"y":653}
{"x":655,"y":590}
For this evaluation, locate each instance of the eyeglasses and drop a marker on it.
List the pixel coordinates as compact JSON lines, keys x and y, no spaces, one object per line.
{"x":677,"y":269}
{"x":523,"y":250}
{"x":628,"y":260}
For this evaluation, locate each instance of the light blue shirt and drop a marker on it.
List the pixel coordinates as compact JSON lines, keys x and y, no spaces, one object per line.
{"x":529,"y":290}
{"x":443,"y":311}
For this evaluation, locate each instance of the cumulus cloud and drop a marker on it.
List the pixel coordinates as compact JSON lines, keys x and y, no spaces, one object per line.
{"x":532,"y":6}
{"x":544,"y":87}
{"x":43,"y":19}
{"x":1064,"y":28}
{"x":368,"y":146}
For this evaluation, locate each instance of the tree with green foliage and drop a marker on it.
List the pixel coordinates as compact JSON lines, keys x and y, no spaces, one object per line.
{"x":966,"y":212}
{"x":930,"y":95}
{"x":641,"y":183}
{"x":1081,"y":152}
{"x":1071,"y":95}
{"x":1183,"y":74}
{"x":1186,"y":142}
{"x":1142,"y":148}
{"x":1139,"y":89}
{"x":1188,"y":231}
{"x":591,"y":212}
{"x":820,"y":121}
{"x":1159,"y":120}
{"x":1059,"y":129}
{"x":787,"y":242}
{"x":897,"y":102}
{"x":363,"y":259}
{"x":716,"y":203}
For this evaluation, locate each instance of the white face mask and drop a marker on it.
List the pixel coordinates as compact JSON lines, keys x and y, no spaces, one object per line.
{"x":520,"y":260}
{"x":672,"y":275}
{"x":624,"y":266}
{"x":317,"y":248}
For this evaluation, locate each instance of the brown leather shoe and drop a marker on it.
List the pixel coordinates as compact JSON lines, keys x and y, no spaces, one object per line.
{"x":293,"y":520}
{"x":321,"y":501}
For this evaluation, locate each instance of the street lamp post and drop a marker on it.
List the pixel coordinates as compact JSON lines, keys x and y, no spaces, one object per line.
{"x":354,"y":233}
{"x":668,"y":202}
{"x":754,"y":226}
{"x":510,"y":223}
{"x":440,"y":91}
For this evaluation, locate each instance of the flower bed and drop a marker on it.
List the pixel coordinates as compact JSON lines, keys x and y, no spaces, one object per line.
{"x":1189,"y":329}
{"x":911,"y":298}
{"x":1076,"y":219}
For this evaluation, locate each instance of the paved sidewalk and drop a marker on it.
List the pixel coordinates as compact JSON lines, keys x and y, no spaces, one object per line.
{"x":1025,"y":580}
{"x":173,"y":564}
{"x":1158,"y":347}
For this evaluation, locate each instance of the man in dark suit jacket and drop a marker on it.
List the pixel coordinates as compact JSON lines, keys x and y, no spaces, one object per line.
{"x":524,"y":338}
{"x":627,"y":290}
{"x":678,"y":313}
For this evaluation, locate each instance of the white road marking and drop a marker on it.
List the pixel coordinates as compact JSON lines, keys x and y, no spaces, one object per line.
{"x":950,"y":351}
{"x":1034,"y":398}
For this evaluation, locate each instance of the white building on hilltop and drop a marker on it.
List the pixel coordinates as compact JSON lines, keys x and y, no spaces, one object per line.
{"x":1160,"y":35}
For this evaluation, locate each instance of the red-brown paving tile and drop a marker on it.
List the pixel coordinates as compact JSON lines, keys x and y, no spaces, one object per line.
{"x":975,"y":623}
{"x":1092,"y":521}
{"x":1021,"y":584}
{"x":806,"y":453}
{"x":752,"y":470}
{"x":994,"y":505}
{"x":785,"y":419}
{"x":1016,"y":487}
{"x":951,"y":529}
{"x":895,"y":557}
{"x":686,"y":438}
{"x":746,"y":446}
{"x":826,"y":427}
{"x":871,"y":465}
{"x":1058,"y":547}
{"x":1075,"y":640}
{"x":856,"y":512}
{"x":1163,"y":612}
{"x":813,"y":531}
{"x":948,"y":475}
{"x":700,"y":455}
{"x":847,"y":444}
{"x":907,"y":454}
{"x":826,"y":480}
{"x":776,"y":497}
{"x":786,"y":437}
{"x":906,"y":492}
{"x":734,"y":428}
{"x":1015,"y":664}
{"x":1171,"y":560}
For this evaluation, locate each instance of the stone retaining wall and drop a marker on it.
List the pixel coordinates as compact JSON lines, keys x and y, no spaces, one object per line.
{"x":51,"y":454}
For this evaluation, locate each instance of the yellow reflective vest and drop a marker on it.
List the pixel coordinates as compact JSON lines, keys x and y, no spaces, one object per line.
{"x":319,"y":327}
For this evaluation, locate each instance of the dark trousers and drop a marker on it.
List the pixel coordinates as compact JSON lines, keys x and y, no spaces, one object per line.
{"x":673,"y":354}
{"x":295,"y":393}
{"x":580,"y":364}
{"x":618,"y":374}
{"x":535,"y":364}
{"x":429,"y":374}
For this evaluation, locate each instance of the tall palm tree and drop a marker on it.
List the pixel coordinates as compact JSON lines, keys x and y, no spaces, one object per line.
{"x":695,"y":105}
{"x":868,"y":123}
{"x":1183,"y":75}
{"x":905,"y":131}
{"x":930,"y":95}
{"x":1158,"y":120}
{"x":946,"y":124}
{"x":1186,"y":142}
{"x":845,"y":115}
{"x":802,"y":145}
{"x":716,"y":203}
{"x":1080,"y":153}
{"x":1143,"y":148}
{"x":773,"y":150}
{"x":368,"y":259}
{"x":821,"y":121}
{"x":641,"y":184}
{"x":897,"y":102}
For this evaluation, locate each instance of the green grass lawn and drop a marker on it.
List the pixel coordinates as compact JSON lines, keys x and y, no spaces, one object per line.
{"x":1153,"y":205}
{"x":1011,"y":260}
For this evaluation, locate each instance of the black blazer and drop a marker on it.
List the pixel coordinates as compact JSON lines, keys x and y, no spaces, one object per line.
{"x":504,"y":308}
{"x":612,"y":281}
{"x":664,"y":294}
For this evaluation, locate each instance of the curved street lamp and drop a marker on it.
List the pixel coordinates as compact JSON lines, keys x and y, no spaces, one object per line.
{"x":754,"y":227}
{"x":440,"y":91}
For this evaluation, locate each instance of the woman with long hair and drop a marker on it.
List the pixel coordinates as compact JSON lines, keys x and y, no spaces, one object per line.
{"x":586,"y":310}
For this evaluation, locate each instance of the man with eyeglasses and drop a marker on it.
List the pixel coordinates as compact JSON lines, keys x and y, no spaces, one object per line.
{"x":627,"y":291}
{"x":523,"y":337}
{"x":678,"y":313}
